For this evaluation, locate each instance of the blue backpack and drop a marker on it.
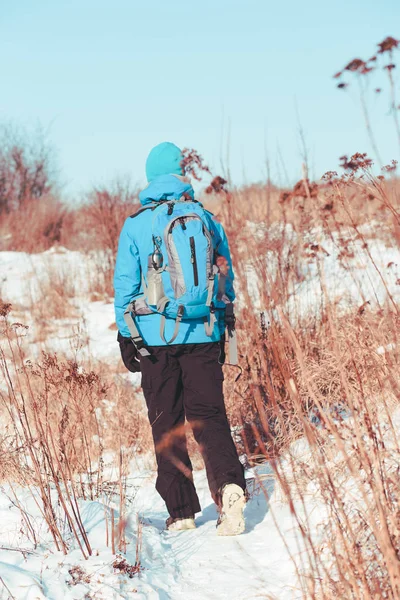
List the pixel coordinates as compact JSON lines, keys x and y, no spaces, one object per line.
{"x":180,"y":281}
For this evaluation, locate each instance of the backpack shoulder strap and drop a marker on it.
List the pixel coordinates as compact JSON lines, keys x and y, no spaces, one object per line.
{"x":151,"y":206}
{"x":133,"y":330}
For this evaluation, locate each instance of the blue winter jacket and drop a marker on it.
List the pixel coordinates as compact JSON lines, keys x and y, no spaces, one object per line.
{"x":135,"y":245}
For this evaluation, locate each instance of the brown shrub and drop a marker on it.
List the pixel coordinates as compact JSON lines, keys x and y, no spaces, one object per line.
{"x":35,"y":227}
{"x":26,"y":168}
{"x":96,"y":225}
{"x":97,"y":222}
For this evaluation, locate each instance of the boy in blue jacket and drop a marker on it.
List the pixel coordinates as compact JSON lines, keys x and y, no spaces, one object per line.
{"x":180,"y":360}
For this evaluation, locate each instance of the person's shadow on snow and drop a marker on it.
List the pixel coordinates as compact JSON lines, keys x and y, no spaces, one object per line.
{"x":257,"y":507}
{"x":209,"y":513}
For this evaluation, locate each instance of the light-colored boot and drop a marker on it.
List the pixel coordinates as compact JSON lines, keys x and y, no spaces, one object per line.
{"x":231,"y":520}
{"x":180,"y":524}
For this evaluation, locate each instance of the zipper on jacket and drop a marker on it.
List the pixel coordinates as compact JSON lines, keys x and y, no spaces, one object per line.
{"x":194,"y":261}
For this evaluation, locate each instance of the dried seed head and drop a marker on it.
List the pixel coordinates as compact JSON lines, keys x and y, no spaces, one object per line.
{"x":5,"y":309}
{"x":391,"y":167}
{"x":193,"y":164}
{"x":329,"y":176}
{"x":365,"y":70}
{"x":388,"y":45}
{"x":217,"y":185}
{"x":356,"y":162}
{"x":356,"y":65}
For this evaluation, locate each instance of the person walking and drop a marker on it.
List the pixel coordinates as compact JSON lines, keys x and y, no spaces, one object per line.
{"x":174,"y":291}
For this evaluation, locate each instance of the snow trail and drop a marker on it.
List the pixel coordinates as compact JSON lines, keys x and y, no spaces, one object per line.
{"x":194,"y":564}
{"x":198,"y":564}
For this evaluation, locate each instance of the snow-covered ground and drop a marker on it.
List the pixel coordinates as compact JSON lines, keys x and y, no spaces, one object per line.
{"x":193,"y":565}
{"x":336,"y":268}
{"x":196,"y":564}
{"x":76,"y":321}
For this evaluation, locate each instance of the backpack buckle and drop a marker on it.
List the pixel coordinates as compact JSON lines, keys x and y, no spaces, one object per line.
{"x":138,"y":342}
{"x":230,"y":318}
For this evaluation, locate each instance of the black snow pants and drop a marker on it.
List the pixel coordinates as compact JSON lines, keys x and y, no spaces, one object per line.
{"x":181,"y":381}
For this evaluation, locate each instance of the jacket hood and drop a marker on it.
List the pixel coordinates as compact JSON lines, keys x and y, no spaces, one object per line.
{"x":166,"y":187}
{"x":164,"y":159}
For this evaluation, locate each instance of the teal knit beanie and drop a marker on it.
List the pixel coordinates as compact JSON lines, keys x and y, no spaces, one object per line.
{"x":164,"y":159}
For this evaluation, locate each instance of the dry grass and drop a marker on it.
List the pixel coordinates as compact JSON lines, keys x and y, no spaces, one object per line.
{"x":329,"y":377}
{"x":39,"y":228}
{"x":94,"y":227}
{"x":58,"y":422}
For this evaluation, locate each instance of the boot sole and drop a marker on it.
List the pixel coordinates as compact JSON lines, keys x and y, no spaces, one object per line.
{"x":233,"y":502}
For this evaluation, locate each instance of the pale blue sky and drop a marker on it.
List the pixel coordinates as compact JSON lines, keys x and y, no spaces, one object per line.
{"x":110,"y":79}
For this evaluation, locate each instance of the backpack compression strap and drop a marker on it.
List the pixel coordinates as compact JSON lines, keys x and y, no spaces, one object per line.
{"x":209,"y":323}
{"x":133,"y":330}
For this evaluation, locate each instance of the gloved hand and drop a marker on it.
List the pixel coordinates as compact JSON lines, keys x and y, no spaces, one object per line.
{"x":129,"y":354}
